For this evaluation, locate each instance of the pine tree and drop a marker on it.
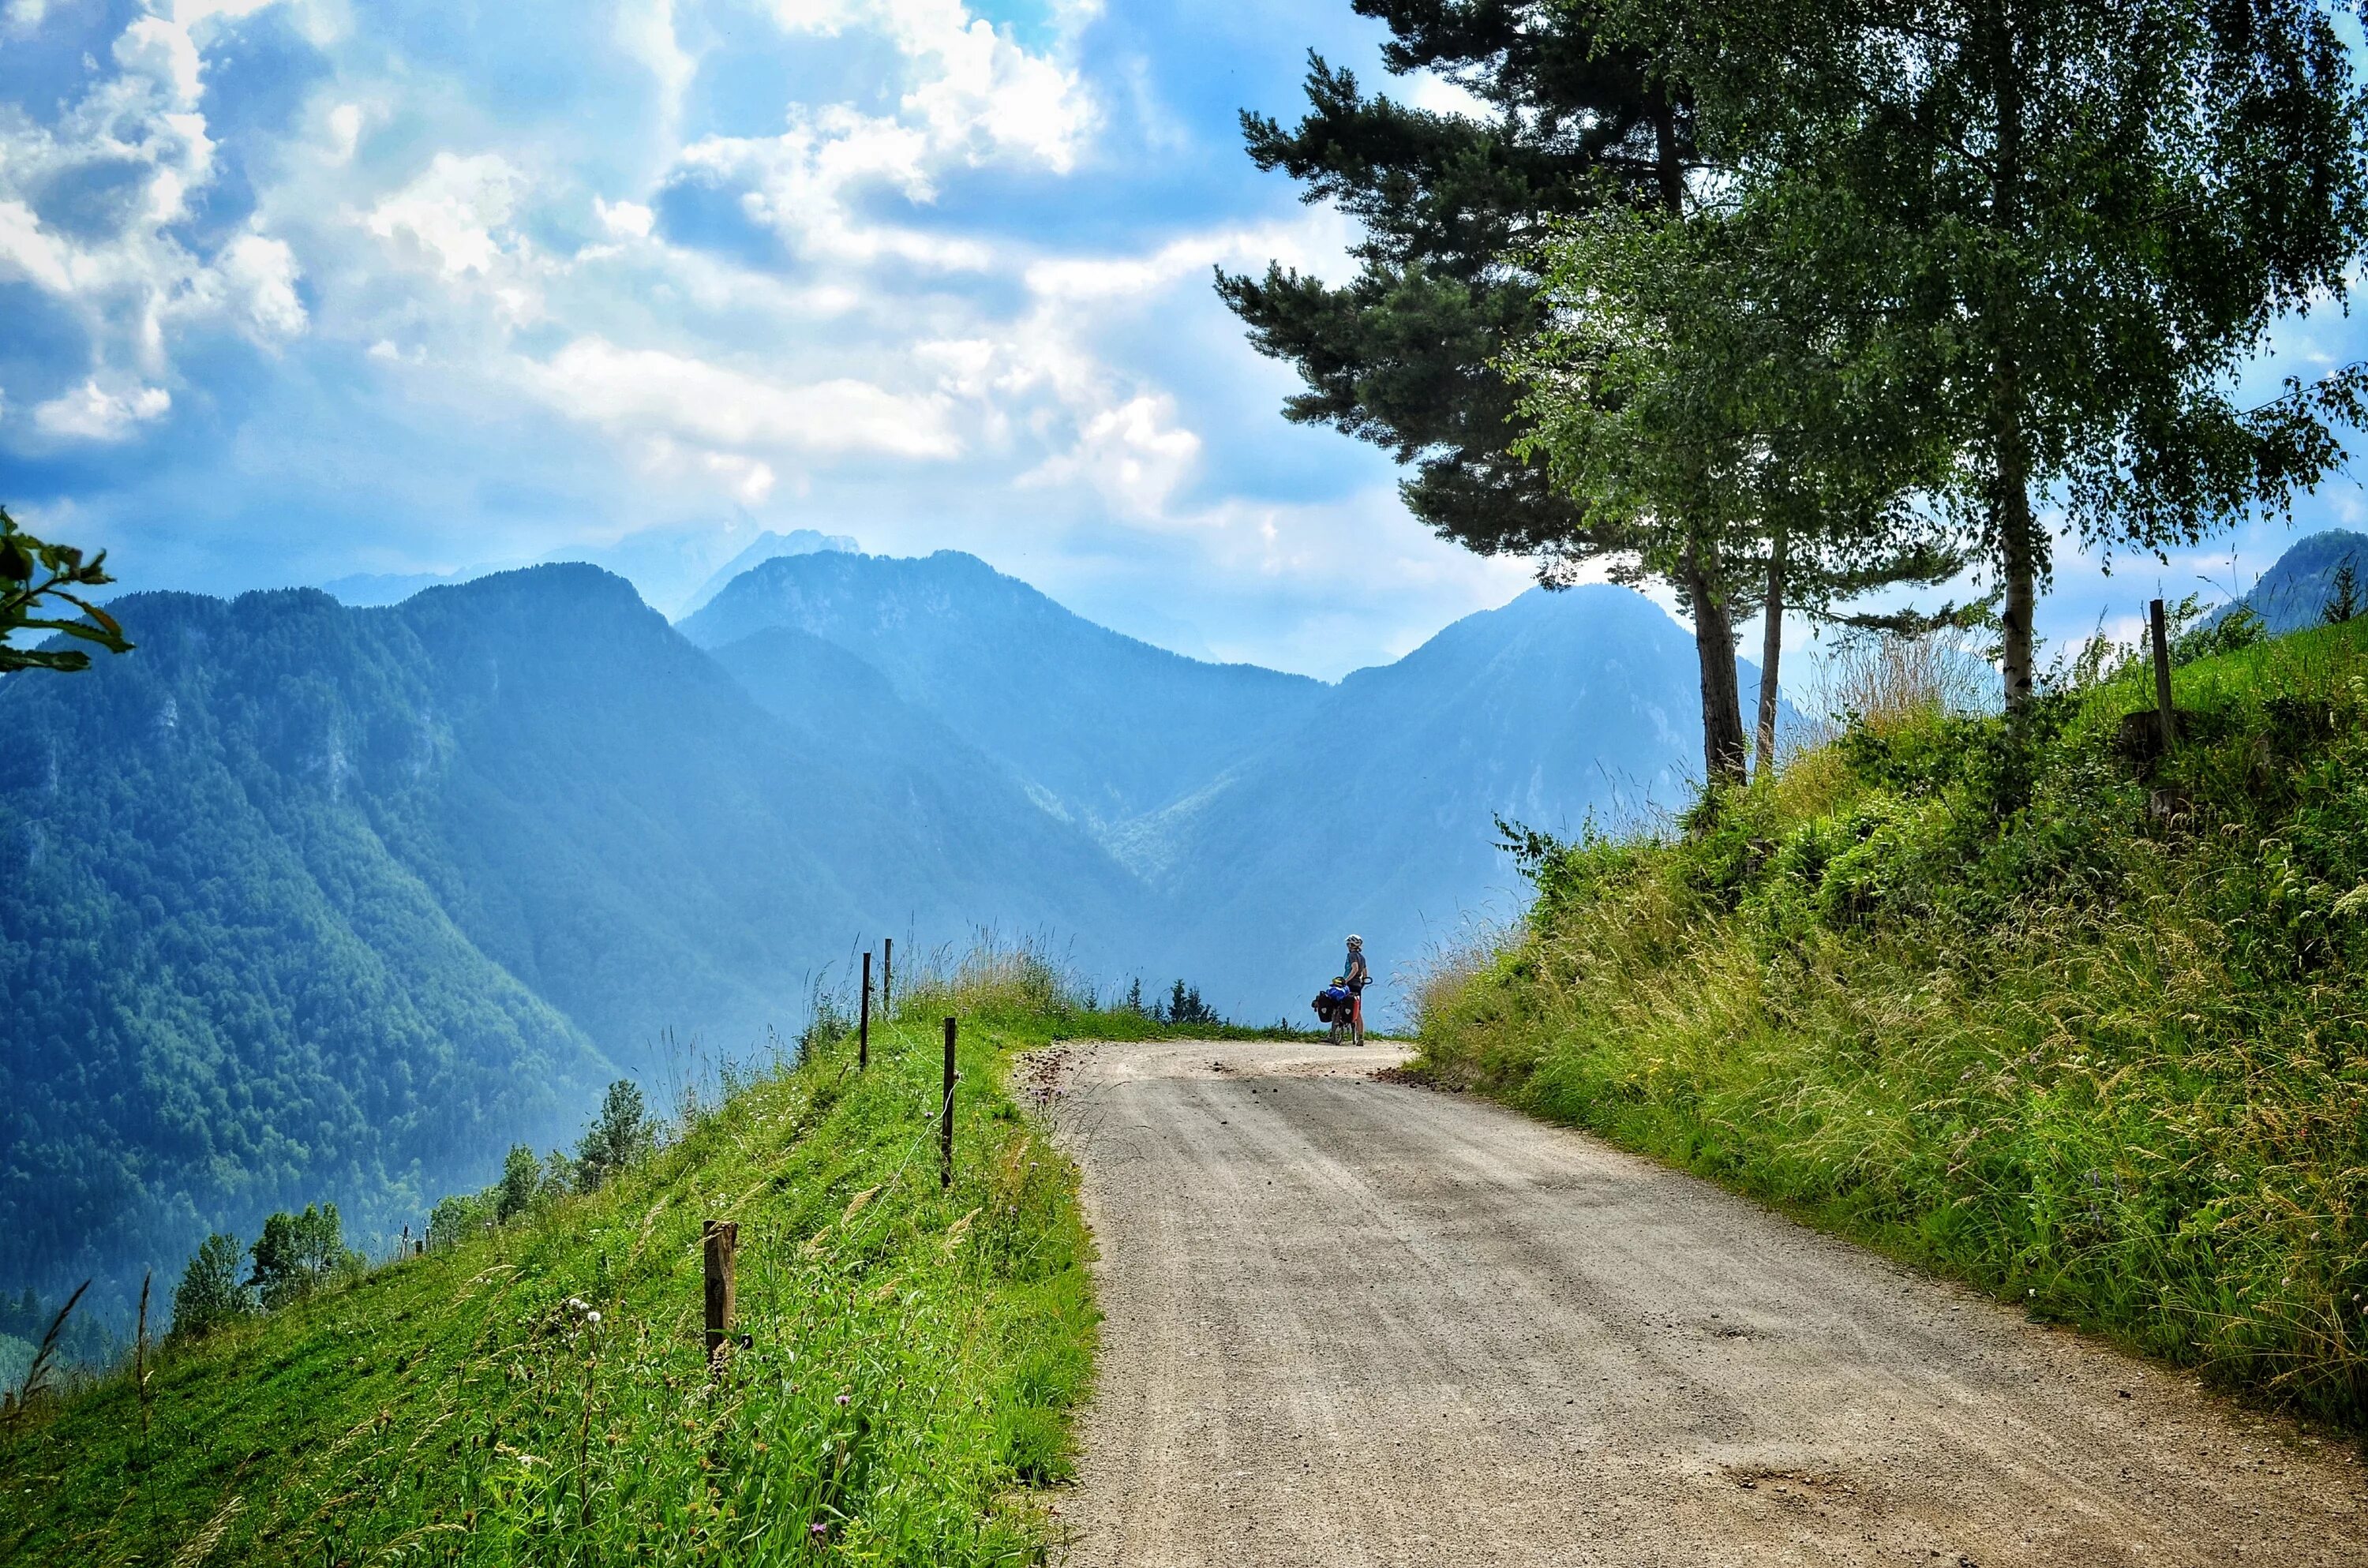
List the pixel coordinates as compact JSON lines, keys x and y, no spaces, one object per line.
{"x":1406,"y":355}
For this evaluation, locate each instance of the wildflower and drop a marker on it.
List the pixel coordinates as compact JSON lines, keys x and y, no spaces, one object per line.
{"x":593,"y":1318}
{"x":842,"y":1401}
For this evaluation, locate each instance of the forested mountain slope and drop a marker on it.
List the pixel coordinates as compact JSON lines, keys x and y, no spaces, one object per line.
{"x":310,"y":903}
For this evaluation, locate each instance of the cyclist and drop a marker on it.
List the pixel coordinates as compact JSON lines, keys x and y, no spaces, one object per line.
{"x":1356,"y":974}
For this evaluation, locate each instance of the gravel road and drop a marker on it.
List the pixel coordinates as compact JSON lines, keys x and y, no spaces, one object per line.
{"x":1353,"y":1321}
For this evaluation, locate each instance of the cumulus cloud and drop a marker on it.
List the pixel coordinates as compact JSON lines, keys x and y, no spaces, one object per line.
{"x":91,"y":413}
{"x":457,"y":212}
{"x":652,"y":394}
{"x":1134,"y":455}
{"x":974,"y":91}
{"x":628,"y":272}
{"x":95,"y":210}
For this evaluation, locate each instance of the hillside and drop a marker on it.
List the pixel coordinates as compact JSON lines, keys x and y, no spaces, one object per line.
{"x":319,"y":902}
{"x":539,"y":1394}
{"x":2040,"y":1007}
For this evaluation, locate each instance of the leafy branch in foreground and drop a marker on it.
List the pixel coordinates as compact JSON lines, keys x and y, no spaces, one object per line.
{"x":33,"y":571}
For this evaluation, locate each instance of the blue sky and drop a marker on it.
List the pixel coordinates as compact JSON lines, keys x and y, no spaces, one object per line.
{"x":300,"y":288}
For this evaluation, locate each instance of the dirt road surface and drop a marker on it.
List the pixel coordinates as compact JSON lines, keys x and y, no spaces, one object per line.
{"x":1353,"y":1321}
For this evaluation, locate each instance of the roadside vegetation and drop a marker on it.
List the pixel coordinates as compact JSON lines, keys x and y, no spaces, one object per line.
{"x":535,"y":1387}
{"x":2018,"y":1000}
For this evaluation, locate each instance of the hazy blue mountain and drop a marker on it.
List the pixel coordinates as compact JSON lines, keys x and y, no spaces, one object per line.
{"x":224,"y":993}
{"x":1375,"y":814}
{"x":769,"y":546}
{"x":2294,"y":593}
{"x":1100,"y":727}
{"x":304,"y":902}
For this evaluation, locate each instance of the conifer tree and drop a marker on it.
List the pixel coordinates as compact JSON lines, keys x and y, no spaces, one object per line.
{"x":1411,"y":354}
{"x":1407,"y":355}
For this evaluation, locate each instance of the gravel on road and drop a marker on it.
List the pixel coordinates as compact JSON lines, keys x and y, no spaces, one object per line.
{"x":1356,"y":1322}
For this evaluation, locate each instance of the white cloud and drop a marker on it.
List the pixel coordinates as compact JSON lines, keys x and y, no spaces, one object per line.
{"x":1134,"y":455}
{"x":969,"y":95}
{"x":987,"y":95}
{"x":27,"y":253}
{"x":626,"y":219}
{"x":646,"y":30}
{"x":91,"y":413}
{"x":126,"y":272}
{"x":454,"y":211}
{"x":1428,"y":90}
{"x":260,"y":275}
{"x":163,"y":53}
{"x":346,"y":127}
{"x":190,"y":13}
{"x":651,"y":394}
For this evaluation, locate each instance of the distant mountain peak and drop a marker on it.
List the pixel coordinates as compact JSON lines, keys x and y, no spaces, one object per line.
{"x":767,"y":546}
{"x":2292,"y":595}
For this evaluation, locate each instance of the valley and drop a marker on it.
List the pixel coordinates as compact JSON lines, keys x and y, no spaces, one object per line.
{"x":315,"y":902}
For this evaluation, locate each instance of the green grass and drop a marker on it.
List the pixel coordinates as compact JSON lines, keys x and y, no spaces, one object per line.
{"x":916,"y":1355}
{"x":2085,"y":1028}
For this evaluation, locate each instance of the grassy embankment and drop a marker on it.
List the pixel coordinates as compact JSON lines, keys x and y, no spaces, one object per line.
{"x":2084,"y":1027}
{"x":916,"y":1354}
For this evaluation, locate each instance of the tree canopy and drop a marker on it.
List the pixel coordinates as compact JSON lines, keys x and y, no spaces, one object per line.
{"x":36,"y":577}
{"x":2053,"y":233}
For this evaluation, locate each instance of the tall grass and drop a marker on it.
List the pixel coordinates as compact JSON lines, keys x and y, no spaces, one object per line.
{"x":540,"y":1394}
{"x":2028,"y":1007}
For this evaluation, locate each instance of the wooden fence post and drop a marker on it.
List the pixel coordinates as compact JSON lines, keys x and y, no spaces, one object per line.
{"x":863,"y":1023}
{"x":723,"y":1238}
{"x":888,"y":977}
{"x":2162,"y":677}
{"x":946,"y":1116}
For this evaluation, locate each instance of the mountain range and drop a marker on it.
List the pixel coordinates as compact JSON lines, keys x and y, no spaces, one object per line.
{"x":305,"y":901}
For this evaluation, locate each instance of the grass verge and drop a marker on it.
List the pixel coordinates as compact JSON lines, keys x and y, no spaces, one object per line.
{"x":539,"y":1395}
{"x":2029,"y":1005}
